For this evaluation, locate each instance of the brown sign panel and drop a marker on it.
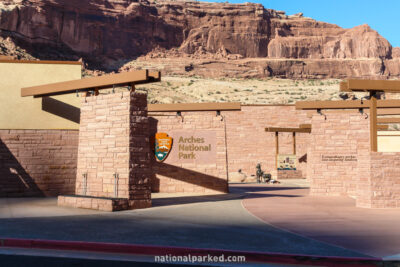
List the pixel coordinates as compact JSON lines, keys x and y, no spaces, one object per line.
{"x":193,"y":146}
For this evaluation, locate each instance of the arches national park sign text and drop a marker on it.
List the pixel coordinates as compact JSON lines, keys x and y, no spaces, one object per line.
{"x":193,"y":146}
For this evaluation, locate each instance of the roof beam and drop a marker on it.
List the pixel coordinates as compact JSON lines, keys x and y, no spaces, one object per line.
{"x":193,"y":107}
{"x":370,"y":85}
{"x":288,"y":130}
{"x":388,"y":120}
{"x":93,"y":83}
{"x":305,"y":126}
{"x":350,"y":104}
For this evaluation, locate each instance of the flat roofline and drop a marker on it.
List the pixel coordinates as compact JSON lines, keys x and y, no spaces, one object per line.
{"x":346,"y":104}
{"x":353,"y":85}
{"x":288,"y":130}
{"x":130,"y":78}
{"x":268,"y":105}
{"x":194,"y":107}
{"x":40,"y":62}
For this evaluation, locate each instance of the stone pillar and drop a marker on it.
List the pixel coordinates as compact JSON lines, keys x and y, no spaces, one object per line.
{"x":113,"y":170}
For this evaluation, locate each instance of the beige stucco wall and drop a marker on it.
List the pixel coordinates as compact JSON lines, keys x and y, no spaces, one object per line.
{"x":389,"y":141}
{"x":18,"y":112}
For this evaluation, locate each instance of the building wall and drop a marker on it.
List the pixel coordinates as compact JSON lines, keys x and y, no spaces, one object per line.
{"x":247,"y":144}
{"x":389,"y":141}
{"x":341,"y":162}
{"x":338,"y":147}
{"x":37,"y":162}
{"x":57,"y":112}
{"x":36,"y":156}
{"x":385,"y":181}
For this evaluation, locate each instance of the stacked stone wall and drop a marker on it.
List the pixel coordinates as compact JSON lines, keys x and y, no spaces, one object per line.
{"x":339,"y":146}
{"x":37,"y":162}
{"x":114,"y":150}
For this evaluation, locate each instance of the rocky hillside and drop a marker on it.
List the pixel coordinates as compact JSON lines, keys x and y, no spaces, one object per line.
{"x":195,"y":39}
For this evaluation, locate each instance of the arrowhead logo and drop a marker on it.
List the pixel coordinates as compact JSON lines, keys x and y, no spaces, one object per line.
{"x":163,"y":145}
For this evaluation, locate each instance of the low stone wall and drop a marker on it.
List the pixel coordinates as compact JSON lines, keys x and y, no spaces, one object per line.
{"x":384,"y":182}
{"x":37,"y":162}
{"x":289,"y":174}
{"x":94,"y":203}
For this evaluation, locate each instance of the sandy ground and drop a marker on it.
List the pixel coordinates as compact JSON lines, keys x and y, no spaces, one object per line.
{"x":246,"y":91}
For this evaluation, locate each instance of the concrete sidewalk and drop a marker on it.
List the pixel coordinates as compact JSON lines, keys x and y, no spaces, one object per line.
{"x":214,"y":221}
{"x":334,"y":220}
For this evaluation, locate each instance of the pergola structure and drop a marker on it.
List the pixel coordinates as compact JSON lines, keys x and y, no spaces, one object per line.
{"x":376,"y":107}
{"x":303,"y":128}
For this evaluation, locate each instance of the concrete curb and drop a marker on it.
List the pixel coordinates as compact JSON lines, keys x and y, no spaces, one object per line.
{"x":257,"y":257}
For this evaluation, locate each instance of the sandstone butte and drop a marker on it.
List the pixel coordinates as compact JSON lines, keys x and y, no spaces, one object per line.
{"x":195,"y":38}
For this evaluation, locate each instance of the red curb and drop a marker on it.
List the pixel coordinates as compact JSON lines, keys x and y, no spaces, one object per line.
{"x":184,"y":251}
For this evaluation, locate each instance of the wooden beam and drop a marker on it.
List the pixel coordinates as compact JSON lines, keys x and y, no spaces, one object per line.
{"x":380,"y":111}
{"x":388,"y":120}
{"x":305,"y":126}
{"x":344,"y":87}
{"x":276,"y":143}
{"x":294,"y":143}
{"x":388,"y":111}
{"x":11,"y":60}
{"x":193,"y":107}
{"x":100,"y":82}
{"x":373,"y":125}
{"x":332,"y":104}
{"x":353,"y":85}
{"x":382,"y":127}
{"x":350,"y":104}
{"x":288,"y":130}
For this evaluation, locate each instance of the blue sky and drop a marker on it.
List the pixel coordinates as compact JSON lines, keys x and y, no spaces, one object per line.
{"x":383,"y":16}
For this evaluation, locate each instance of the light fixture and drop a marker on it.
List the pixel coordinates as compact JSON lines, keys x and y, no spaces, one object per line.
{"x":361,"y":110}
{"x":179,"y":114}
{"x":320,"y":113}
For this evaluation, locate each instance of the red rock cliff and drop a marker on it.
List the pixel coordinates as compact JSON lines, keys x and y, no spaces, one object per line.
{"x":122,"y":30}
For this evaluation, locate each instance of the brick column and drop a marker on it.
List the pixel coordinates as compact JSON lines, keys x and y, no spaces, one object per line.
{"x":113,"y":142}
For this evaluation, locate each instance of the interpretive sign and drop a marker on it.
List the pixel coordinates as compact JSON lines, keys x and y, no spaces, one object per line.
{"x":286,"y":162}
{"x":338,"y":158}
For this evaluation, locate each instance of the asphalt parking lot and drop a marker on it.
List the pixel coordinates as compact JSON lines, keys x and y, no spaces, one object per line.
{"x":213,"y":221}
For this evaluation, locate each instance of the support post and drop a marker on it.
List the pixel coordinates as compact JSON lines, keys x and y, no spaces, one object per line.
{"x":373,"y":124}
{"x":276,"y":148}
{"x":294,"y":143}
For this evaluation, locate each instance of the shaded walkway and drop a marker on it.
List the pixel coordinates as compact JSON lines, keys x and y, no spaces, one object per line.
{"x":334,"y":220}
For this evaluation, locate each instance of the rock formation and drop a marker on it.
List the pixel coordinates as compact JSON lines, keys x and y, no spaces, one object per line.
{"x":245,"y":40}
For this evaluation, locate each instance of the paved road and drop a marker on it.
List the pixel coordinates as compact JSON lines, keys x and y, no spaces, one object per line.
{"x":335,"y":220}
{"x":218,"y":221}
